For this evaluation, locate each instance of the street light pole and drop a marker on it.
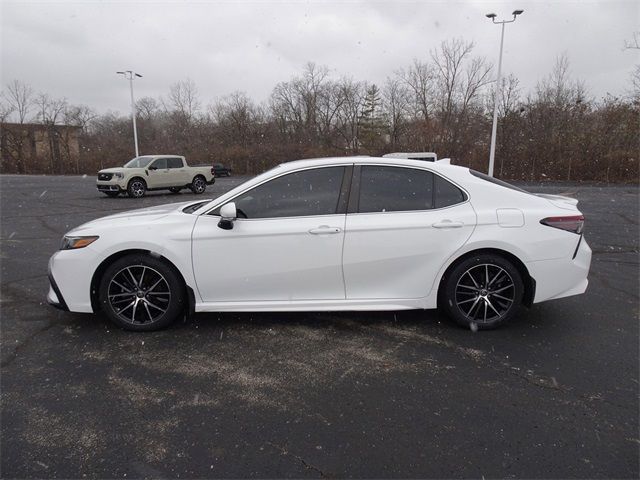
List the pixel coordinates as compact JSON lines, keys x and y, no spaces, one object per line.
{"x":130,"y":75}
{"x":494,"y":127}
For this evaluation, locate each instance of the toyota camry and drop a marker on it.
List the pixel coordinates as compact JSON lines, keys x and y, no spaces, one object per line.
{"x":330,"y":234}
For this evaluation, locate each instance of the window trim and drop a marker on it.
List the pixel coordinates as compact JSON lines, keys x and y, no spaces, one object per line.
{"x":354,"y":200}
{"x":341,"y":206}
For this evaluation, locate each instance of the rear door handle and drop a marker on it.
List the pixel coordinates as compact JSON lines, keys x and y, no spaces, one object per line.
{"x":447,"y":224}
{"x":324,"y":230}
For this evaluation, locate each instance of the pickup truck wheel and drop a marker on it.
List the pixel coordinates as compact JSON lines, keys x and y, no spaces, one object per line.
{"x":199,"y":185}
{"x":175,"y":189}
{"x":111,"y":194}
{"x":136,"y":188}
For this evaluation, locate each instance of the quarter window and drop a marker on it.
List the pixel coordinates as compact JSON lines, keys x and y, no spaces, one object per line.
{"x":309,"y":192}
{"x":395,"y":189}
{"x":447,"y":193}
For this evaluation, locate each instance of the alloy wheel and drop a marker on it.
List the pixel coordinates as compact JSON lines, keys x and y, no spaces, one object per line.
{"x":199,"y":185}
{"x":485,"y":293}
{"x":139,"y":294}
{"x":137,"y":188}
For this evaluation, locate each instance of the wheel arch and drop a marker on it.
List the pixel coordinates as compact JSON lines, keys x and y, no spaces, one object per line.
{"x":527,"y":279}
{"x":136,"y":177}
{"x":99,"y":272}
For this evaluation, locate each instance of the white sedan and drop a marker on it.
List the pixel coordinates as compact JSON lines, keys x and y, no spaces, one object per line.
{"x":330,"y":234}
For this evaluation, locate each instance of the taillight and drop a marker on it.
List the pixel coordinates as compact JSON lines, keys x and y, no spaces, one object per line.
{"x":573,"y":223}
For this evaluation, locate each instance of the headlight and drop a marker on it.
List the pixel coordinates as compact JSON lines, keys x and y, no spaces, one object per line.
{"x":71,"y":243}
{"x":118,"y":175}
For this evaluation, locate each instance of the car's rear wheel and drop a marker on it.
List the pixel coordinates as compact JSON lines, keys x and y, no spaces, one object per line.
{"x":175,"y":189}
{"x":137,"y":188}
{"x":111,"y":194}
{"x":199,"y":185}
{"x":482,"y":291}
{"x":141,"y":293}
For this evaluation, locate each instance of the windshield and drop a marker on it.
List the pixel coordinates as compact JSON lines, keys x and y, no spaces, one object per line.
{"x":138,"y":162}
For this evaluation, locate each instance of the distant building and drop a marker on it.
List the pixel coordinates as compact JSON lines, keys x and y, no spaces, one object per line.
{"x":37,"y":148}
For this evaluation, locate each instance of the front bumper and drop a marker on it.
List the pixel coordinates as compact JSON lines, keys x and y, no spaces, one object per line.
{"x":54,"y":297}
{"x":109,"y":188}
{"x":70,"y":273}
{"x":113,"y":185}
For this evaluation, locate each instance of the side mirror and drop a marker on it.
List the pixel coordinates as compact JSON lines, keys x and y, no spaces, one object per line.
{"x":227,"y":216}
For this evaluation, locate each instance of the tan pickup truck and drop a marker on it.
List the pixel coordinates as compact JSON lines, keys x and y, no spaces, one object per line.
{"x":154,"y":172}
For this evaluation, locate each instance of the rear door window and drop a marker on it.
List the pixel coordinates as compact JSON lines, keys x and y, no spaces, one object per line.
{"x":394,"y":189}
{"x":174,"y":162}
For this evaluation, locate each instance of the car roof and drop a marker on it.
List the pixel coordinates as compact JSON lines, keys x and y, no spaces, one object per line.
{"x":363,"y":159}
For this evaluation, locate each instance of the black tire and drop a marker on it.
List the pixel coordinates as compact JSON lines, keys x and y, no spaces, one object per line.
{"x":199,"y":185}
{"x":111,"y":194}
{"x":491,"y":302}
{"x":156,"y":300}
{"x":175,"y":189}
{"x":136,"y":188}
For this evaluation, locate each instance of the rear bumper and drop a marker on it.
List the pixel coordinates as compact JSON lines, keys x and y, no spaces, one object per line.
{"x":561,"y":278}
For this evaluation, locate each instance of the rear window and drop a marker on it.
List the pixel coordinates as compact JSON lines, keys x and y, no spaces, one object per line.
{"x":497,"y":181}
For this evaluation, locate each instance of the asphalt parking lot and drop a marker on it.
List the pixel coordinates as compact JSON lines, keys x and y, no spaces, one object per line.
{"x":406,"y":394}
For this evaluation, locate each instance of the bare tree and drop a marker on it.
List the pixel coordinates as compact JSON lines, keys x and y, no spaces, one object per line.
{"x":79,"y":115}
{"x":50,"y":111}
{"x":395,"y":101}
{"x":236,"y":115}
{"x":184,"y":100}
{"x":5,"y":110}
{"x":147,"y":108}
{"x":20,"y":99}
{"x":419,"y":79}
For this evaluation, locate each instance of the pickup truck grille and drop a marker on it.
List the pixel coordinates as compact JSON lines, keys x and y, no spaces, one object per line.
{"x":105,"y":176}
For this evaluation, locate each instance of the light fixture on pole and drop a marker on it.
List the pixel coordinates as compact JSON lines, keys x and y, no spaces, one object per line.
{"x":130,"y":75}
{"x":494,"y":128}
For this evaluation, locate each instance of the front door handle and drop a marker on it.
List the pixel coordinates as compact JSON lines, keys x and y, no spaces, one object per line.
{"x":324,"y":230}
{"x":447,"y":224}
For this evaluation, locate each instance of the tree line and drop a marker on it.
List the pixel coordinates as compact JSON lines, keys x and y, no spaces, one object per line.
{"x":443,"y":103}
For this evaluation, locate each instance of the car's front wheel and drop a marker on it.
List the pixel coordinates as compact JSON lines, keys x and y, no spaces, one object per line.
{"x":136,"y":188}
{"x":482,"y":291}
{"x":199,"y":185}
{"x":142,"y":293}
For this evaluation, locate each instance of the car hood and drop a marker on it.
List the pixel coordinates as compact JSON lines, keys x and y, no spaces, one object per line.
{"x":111,"y":170}
{"x":139,"y":216}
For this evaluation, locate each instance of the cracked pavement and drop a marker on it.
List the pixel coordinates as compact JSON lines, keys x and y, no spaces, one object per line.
{"x":375,"y":394}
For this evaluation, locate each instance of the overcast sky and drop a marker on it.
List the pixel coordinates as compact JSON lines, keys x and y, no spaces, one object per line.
{"x":72,"y":49}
